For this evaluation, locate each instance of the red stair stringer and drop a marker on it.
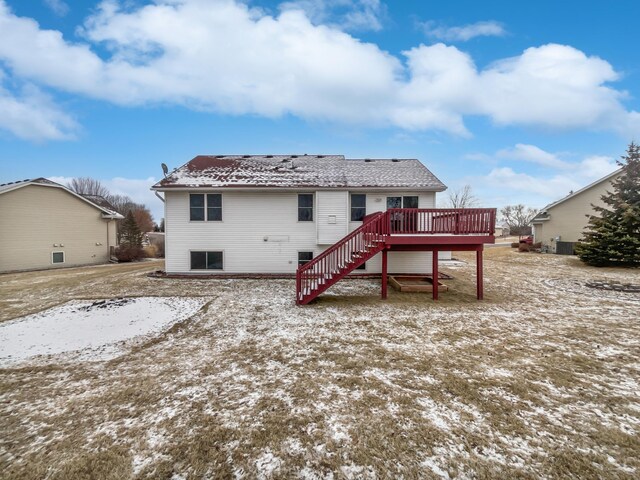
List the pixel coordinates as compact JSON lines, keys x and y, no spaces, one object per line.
{"x":341,"y":258}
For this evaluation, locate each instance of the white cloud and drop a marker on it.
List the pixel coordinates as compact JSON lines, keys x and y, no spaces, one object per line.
{"x":32,"y":115}
{"x":58,"y":7}
{"x":354,"y":15}
{"x":533,"y":154}
{"x":506,"y":185}
{"x":464,"y":33}
{"x":226,"y":57}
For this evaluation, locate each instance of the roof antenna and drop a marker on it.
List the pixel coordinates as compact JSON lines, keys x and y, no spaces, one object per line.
{"x":165,"y":169}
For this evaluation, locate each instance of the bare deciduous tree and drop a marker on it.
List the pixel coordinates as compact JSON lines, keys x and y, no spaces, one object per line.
{"x":122,"y":204}
{"x":88,"y":186}
{"x":518,"y":218}
{"x":461,"y":198}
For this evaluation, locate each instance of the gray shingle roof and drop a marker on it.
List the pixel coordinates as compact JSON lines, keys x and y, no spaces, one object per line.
{"x":300,"y":171}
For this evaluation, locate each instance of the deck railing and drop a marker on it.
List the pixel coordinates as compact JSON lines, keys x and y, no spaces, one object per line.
{"x":442,"y":221}
{"x":357,"y":247}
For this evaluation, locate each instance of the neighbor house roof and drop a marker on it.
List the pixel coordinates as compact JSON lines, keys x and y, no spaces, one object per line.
{"x":543,"y":214}
{"x":300,"y":171}
{"x":107,"y":211}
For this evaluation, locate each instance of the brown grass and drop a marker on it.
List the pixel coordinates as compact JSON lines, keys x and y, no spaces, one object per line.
{"x":538,"y":380}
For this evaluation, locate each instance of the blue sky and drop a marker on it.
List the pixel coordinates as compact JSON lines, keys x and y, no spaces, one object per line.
{"x":524,"y":101}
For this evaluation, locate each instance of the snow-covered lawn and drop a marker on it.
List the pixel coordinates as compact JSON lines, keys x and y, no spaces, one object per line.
{"x":540,"y":380}
{"x":90,"y":330}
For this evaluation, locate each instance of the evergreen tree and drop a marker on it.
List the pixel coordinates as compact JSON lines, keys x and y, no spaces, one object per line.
{"x":130,"y":234}
{"x":612,"y":237}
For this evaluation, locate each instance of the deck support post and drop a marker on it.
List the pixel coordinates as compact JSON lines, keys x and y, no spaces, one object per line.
{"x":384,"y":274}
{"x":479,"y":279}
{"x":435,"y":275}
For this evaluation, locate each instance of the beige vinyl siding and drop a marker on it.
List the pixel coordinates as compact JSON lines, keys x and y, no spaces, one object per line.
{"x":260,"y":233}
{"x":34,"y":218}
{"x":568,"y":219}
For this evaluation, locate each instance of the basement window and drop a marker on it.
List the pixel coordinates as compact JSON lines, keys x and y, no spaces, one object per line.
{"x":206,"y":261}
{"x":57,"y":257}
{"x":304,"y":257}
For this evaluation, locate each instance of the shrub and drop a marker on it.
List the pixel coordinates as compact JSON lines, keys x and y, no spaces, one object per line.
{"x":128,"y":253}
{"x":159,"y":249}
{"x":524,"y":247}
{"x":537,"y":246}
{"x":515,"y":245}
{"x":151,"y":251}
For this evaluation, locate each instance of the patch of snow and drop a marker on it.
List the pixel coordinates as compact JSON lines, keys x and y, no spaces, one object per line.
{"x":267,"y":464}
{"x":94,"y":330}
{"x":431,"y":465}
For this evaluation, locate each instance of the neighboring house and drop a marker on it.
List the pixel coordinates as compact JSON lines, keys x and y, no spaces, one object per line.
{"x":560,"y":225}
{"x":45,"y":225}
{"x":271,"y":213}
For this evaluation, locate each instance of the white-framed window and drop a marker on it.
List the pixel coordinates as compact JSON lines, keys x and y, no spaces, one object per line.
{"x":358,"y":207}
{"x":57,"y":257}
{"x":362,"y":267}
{"x":205,"y":207}
{"x":203,"y":260}
{"x":304,"y":257}
{"x":408,"y":201}
{"x":305,"y":207}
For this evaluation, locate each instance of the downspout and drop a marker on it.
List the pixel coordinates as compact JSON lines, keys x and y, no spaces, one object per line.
{"x":165,"y":227}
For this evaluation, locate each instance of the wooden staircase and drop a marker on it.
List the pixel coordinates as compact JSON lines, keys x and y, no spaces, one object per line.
{"x":397,"y":229}
{"x":342,"y":258}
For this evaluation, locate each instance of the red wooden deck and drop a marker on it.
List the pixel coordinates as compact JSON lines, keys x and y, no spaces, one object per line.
{"x":399,"y":229}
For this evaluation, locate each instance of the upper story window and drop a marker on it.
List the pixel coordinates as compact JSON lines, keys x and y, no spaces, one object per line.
{"x":205,"y":207}
{"x":358,"y":207}
{"x":402,"y":202}
{"x":305,"y":207}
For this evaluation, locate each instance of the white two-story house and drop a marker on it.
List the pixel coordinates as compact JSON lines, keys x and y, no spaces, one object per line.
{"x":271,"y":213}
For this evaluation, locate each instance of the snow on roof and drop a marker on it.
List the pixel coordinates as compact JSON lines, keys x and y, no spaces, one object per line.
{"x":299,"y":171}
{"x":5,"y":187}
{"x":101,"y":202}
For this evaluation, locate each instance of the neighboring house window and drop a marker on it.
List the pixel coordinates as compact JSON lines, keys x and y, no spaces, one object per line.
{"x":206,"y":260}
{"x":358,"y":207}
{"x":304,"y":257}
{"x":57,"y":257}
{"x":305,"y":207}
{"x":211,"y":211}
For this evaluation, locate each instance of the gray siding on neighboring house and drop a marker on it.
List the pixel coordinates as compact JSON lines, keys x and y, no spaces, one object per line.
{"x":35,"y":217}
